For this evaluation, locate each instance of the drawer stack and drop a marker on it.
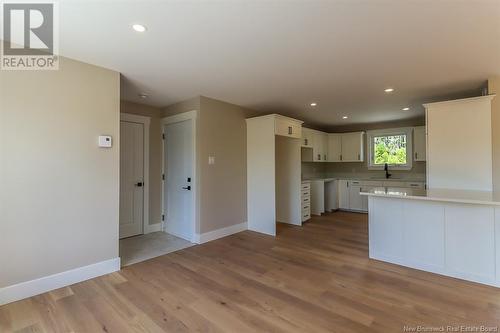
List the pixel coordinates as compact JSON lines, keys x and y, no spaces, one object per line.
{"x":306,"y":200}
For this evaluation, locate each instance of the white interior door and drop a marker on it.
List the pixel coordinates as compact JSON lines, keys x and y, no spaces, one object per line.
{"x":131,"y":178}
{"x":178,"y":196}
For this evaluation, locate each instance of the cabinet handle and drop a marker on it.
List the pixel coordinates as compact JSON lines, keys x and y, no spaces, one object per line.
{"x":416,"y":155}
{"x":319,"y":157}
{"x":324,"y":157}
{"x":290,"y":130}
{"x":359,"y":157}
{"x":341,"y":157}
{"x":306,"y":142}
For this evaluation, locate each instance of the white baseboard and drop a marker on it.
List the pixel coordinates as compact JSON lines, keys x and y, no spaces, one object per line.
{"x":219,"y":233}
{"x":27,"y":289}
{"x":153,"y":228}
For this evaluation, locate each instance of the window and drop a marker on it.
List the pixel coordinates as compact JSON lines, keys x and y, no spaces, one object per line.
{"x":391,"y":146}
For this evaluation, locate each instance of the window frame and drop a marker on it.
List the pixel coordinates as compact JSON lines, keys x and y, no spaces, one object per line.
{"x":408,"y":131}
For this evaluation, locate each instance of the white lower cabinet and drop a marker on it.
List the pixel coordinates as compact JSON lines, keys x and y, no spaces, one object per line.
{"x":305,"y":189}
{"x":343,"y":194}
{"x":355,"y":199}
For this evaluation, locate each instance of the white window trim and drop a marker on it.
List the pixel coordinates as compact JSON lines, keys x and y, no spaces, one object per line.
{"x":391,"y":131}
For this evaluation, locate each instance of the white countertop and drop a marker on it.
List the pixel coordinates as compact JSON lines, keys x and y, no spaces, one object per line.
{"x":446,"y":195}
{"x":365,"y":178}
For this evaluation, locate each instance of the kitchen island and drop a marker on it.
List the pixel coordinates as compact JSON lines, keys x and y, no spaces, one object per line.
{"x":449,"y":232}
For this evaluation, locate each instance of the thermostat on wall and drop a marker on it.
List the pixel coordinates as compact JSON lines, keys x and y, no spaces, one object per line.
{"x":105,"y":141}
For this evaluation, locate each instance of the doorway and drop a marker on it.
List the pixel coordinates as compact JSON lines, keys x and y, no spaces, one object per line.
{"x":140,"y":238}
{"x":179,"y":184}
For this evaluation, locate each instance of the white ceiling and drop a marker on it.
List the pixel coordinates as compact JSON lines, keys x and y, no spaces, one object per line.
{"x":278,"y":56}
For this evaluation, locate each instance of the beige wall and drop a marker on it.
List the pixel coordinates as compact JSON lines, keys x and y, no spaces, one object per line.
{"x":59,"y":192}
{"x":494,"y":88}
{"x":155,"y":154}
{"x":221,"y":132}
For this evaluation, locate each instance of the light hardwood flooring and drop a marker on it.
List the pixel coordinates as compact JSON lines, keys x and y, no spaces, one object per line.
{"x":315,"y":278}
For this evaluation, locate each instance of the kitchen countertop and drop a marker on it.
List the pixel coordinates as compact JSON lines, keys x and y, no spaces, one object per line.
{"x":366,"y":178}
{"x":446,"y":195}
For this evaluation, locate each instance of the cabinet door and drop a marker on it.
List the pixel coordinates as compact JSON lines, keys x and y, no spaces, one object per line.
{"x":306,"y":137}
{"x":343,"y":194}
{"x":324,"y":139}
{"x":364,"y":198}
{"x":352,"y":147}
{"x":334,"y":147}
{"x":419,"y":145}
{"x":288,"y":128}
{"x":317,"y":146}
{"x":355,"y":202}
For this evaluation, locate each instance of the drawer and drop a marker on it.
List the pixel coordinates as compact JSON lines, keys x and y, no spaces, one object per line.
{"x":373,"y":183}
{"x":394,"y":184}
{"x":415,"y":185}
{"x":306,"y":193}
{"x":305,"y":186}
{"x":354,"y":182}
{"x":306,"y":200}
{"x":306,"y":216}
{"x":306,"y":207}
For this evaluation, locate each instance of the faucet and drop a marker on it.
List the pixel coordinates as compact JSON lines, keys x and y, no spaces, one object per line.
{"x":386,"y":169}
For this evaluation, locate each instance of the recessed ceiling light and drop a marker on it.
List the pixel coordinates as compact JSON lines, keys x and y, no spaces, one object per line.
{"x":389,"y":90}
{"x":143,"y":95}
{"x":139,"y":27}
{"x":345,"y":117}
{"x":406,"y":109}
{"x":314,"y":104}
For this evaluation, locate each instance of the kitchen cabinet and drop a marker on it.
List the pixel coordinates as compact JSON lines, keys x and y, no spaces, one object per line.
{"x":355,"y":199}
{"x":320,"y":146}
{"x":289,"y":127}
{"x":343,"y":189}
{"x":305,"y":189}
{"x":334,"y":147}
{"x":419,"y":143}
{"x":352,"y":147}
{"x":307,"y":138}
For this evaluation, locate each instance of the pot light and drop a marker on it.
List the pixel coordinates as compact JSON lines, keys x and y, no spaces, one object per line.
{"x":143,"y":95}
{"x":389,"y":90}
{"x":406,"y":109}
{"x":313,"y":104}
{"x":345,"y":117}
{"x":139,"y":27}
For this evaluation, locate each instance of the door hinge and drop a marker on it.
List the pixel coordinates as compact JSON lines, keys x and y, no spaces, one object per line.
{"x":163,"y":217}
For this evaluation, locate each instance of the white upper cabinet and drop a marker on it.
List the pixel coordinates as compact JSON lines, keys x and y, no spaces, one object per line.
{"x":289,"y":127}
{"x":307,"y":137}
{"x":419,"y":145}
{"x":352,"y":147}
{"x":320,"y":146}
{"x":334,"y":147}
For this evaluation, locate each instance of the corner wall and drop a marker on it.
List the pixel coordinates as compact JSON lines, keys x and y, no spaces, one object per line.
{"x":59,"y":194}
{"x":221,"y":132}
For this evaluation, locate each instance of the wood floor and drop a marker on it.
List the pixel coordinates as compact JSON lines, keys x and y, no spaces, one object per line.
{"x":315,"y":278}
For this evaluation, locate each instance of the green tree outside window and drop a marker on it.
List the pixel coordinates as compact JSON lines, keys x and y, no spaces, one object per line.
{"x":390,"y":149}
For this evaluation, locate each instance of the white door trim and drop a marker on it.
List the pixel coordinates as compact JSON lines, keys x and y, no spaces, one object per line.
{"x":192,"y":116}
{"x":146,"y":121}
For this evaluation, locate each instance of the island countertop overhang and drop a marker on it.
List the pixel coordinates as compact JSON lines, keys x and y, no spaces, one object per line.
{"x":442,"y":195}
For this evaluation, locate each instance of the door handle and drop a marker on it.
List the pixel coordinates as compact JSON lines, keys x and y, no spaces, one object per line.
{"x":139,"y":184}
{"x":187,"y":188}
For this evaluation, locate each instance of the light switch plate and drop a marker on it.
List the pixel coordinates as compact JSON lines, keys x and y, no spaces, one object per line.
{"x":105,"y":141}
{"x":211,"y":160}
